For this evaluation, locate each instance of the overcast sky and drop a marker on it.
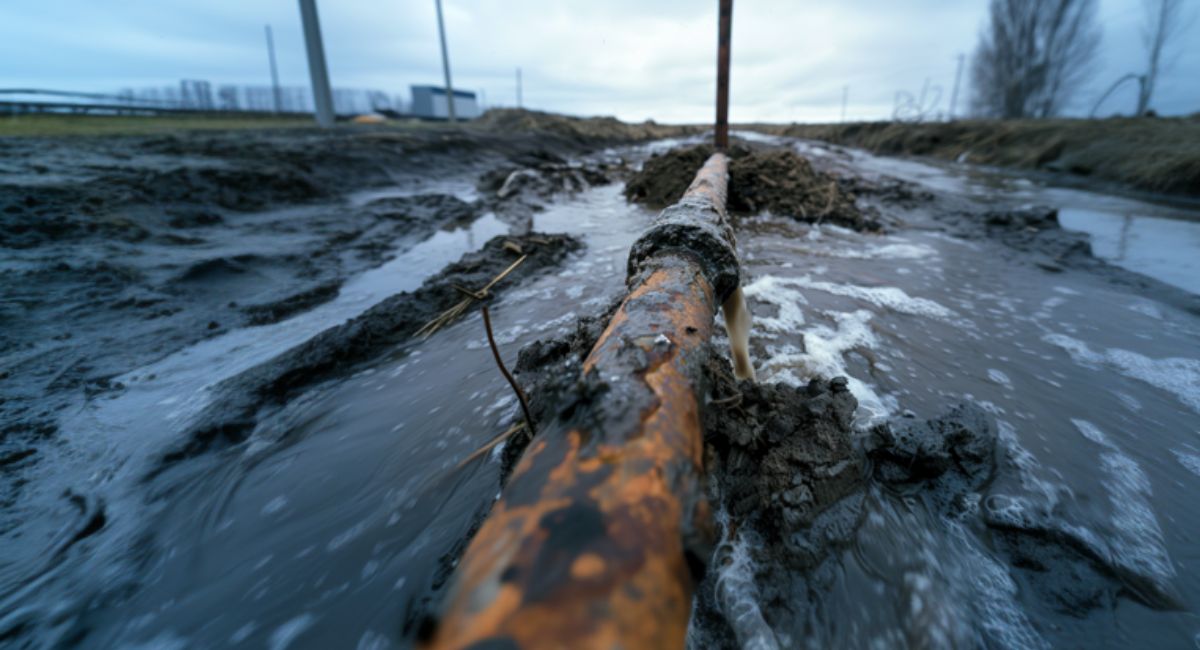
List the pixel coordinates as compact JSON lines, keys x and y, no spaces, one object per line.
{"x":635,"y":59}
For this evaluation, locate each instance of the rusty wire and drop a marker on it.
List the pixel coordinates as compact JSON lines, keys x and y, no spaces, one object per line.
{"x":487,"y":324}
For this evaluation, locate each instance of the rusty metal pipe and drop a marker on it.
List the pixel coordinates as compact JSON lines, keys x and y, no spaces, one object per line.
{"x":724,"y":29}
{"x":595,"y":540}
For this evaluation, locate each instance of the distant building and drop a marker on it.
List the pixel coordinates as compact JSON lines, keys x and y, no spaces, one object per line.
{"x":430,"y":102}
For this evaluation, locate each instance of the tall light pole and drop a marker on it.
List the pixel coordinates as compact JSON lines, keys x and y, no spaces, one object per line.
{"x":322,"y":97}
{"x":274,"y":71}
{"x":954,"y":94}
{"x":445,"y":62}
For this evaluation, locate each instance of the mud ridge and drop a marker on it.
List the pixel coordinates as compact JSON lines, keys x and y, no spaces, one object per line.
{"x":377,"y":332}
{"x":1033,"y":235}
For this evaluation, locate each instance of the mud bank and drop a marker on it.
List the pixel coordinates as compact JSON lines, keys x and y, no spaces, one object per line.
{"x":772,"y":179}
{"x":799,"y":489}
{"x":1149,"y":154}
{"x":379,"y":332}
{"x":123,"y":249}
{"x":1033,"y":235}
{"x":82,"y":313}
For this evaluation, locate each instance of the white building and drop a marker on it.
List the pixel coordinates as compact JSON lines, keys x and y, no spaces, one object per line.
{"x":430,"y":102}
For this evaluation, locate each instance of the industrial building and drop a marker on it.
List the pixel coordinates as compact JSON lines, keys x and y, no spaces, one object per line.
{"x":430,"y":102}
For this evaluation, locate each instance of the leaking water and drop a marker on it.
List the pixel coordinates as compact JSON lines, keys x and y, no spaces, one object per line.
{"x":325,"y":529}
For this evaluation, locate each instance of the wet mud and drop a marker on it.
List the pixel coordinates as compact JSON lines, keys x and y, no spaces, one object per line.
{"x":120,"y":251}
{"x":375,"y":334}
{"x":795,"y":484}
{"x":123,"y":249}
{"x":773,"y":179}
{"x":788,"y":471}
{"x":106,"y":276}
{"x":1033,"y":235}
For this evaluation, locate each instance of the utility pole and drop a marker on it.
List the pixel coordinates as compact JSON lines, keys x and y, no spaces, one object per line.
{"x":445,"y":62}
{"x":954,"y":94}
{"x":724,"y":27}
{"x":518,"y":88}
{"x":322,"y":97}
{"x":274,"y":71}
{"x":845,"y":96}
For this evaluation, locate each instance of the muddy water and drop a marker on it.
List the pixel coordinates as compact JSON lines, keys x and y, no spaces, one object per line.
{"x":330,"y":525}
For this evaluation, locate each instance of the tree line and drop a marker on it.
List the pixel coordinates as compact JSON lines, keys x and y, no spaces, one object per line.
{"x":1033,"y":55}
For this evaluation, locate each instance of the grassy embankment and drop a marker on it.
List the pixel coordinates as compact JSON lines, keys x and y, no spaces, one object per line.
{"x":1160,"y":155}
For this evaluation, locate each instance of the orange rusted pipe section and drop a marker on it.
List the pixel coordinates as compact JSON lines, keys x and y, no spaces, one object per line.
{"x":599,"y":533}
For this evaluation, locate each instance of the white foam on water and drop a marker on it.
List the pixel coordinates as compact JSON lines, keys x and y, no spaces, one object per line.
{"x":1147,"y":309}
{"x":999,"y":377}
{"x":901,"y":251}
{"x":283,"y":636}
{"x":1190,"y":461}
{"x":776,"y":291}
{"x":894,"y":251}
{"x":1000,"y":617}
{"x":823,"y":356}
{"x":1138,"y":542}
{"x":1028,"y":466}
{"x":892,"y":298}
{"x":736,"y":592}
{"x":1179,"y":376}
{"x":1129,"y":401}
{"x":1092,"y":432}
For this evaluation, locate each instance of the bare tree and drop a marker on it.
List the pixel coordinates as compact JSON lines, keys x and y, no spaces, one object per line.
{"x":1163,"y":21}
{"x":1032,"y":55}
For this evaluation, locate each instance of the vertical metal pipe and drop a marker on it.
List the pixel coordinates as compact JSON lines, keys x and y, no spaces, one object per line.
{"x":724,"y":27}
{"x":274,"y":71}
{"x":445,"y":62}
{"x":322,"y":97}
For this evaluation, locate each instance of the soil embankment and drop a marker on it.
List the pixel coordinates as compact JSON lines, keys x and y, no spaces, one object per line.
{"x":1160,"y":155}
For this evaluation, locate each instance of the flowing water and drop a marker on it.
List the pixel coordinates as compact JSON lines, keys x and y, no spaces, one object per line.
{"x":326,"y":528}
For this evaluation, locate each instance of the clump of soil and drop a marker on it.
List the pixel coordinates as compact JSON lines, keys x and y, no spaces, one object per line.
{"x":665,"y":177}
{"x":781,"y":455}
{"x":778,"y":180}
{"x":782,"y":181}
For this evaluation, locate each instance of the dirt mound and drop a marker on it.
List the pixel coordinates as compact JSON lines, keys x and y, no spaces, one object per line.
{"x":515,"y":120}
{"x":778,"y":180}
{"x":783,"y":182}
{"x":665,"y":177}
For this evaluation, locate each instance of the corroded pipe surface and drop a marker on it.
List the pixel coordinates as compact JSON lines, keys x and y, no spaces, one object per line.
{"x":724,"y":27}
{"x":598,"y":534}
